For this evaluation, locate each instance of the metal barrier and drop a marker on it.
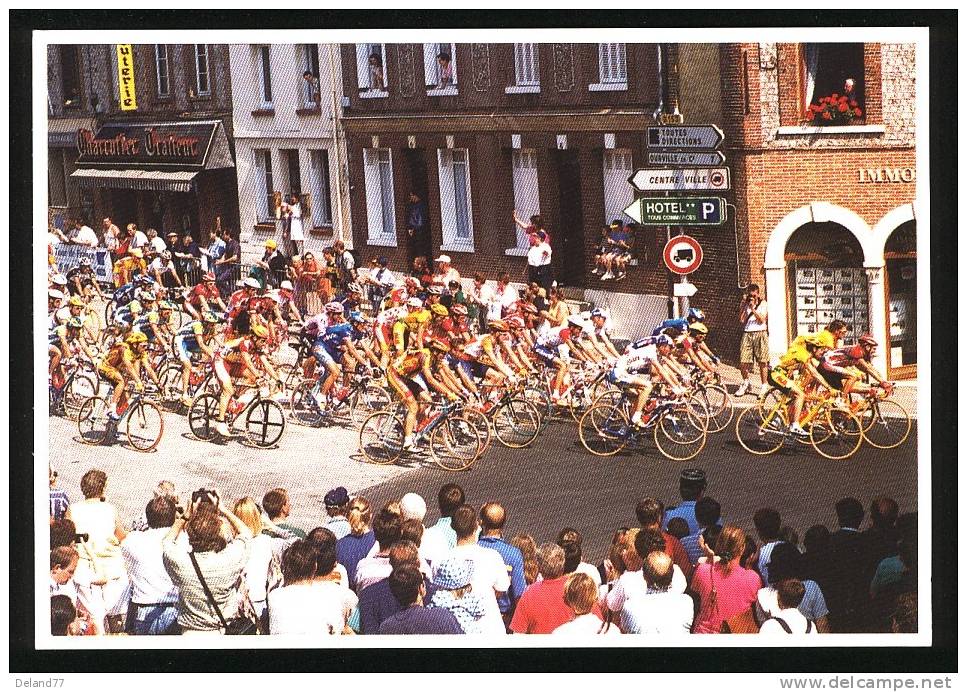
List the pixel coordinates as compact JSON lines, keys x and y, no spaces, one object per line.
{"x":69,"y":256}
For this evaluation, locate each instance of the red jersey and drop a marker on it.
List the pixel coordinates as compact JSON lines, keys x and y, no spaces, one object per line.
{"x":208,"y":291}
{"x":844,"y":357}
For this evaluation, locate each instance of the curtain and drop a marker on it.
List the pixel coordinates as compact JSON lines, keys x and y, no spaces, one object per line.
{"x":812,"y":65}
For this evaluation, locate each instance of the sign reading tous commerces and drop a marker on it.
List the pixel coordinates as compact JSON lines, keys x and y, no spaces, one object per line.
{"x":677,"y":211}
{"x":682,"y":254}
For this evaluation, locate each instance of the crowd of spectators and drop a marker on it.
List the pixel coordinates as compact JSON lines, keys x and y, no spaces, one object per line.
{"x":200,"y":564}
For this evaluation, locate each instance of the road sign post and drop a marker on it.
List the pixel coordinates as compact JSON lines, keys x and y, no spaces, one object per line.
{"x":678,"y":211}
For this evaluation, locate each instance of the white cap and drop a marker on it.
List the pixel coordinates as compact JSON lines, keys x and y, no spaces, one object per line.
{"x":413,"y":507}
{"x":443,"y":258}
{"x":52,"y":293}
{"x":286,"y":285}
{"x":59,"y":279}
{"x":415,"y":302}
{"x":251,"y":283}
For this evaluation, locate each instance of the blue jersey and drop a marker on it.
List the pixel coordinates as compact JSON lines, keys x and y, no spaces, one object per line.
{"x":334,"y":336}
{"x":640,"y":343}
{"x":188,"y":335}
{"x":125,"y":294}
{"x":680,"y":324}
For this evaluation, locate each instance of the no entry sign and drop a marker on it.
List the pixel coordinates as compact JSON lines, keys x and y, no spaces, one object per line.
{"x":682,"y":254}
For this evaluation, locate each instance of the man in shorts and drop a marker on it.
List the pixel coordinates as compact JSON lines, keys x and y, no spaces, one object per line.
{"x":753,"y":314}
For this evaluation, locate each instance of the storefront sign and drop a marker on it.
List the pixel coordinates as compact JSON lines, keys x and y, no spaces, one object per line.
{"x":69,"y":256}
{"x":887,"y":175}
{"x":169,"y":144}
{"x":126,"y":87}
{"x":677,"y":211}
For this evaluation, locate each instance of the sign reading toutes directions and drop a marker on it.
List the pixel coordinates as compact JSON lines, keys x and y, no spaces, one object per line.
{"x":682,"y":254}
{"x":686,"y":158}
{"x":677,"y":211}
{"x":673,"y":179}
{"x":685,"y":137}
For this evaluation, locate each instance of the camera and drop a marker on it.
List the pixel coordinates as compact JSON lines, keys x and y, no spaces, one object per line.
{"x":81,"y":537}
{"x":203,"y":496}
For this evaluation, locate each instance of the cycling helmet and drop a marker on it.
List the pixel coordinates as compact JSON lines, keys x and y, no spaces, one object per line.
{"x":86,"y":261}
{"x":867,"y":340}
{"x":136,"y":252}
{"x":575,"y":322}
{"x":598,"y":312}
{"x":460,"y":310}
{"x":165,"y":255}
{"x":75,"y":323}
{"x":145,"y":280}
{"x":260,"y":332}
{"x":664,"y":340}
{"x":145,"y":294}
{"x":166,"y":305}
{"x":136,"y":337}
{"x":59,"y":279}
{"x":208,"y":276}
{"x":75,"y":302}
{"x":414,"y":303}
{"x":209,"y":317}
{"x":439,"y":310}
{"x":251,"y":283}
{"x":354,"y":288}
{"x":698,"y":328}
{"x":435,"y":290}
{"x":335,"y":307}
{"x":55,"y":294}
{"x":439,"y":345}
{"x":695,"y":314}
{"x":498,"y":326}
{"x":412,"y":281}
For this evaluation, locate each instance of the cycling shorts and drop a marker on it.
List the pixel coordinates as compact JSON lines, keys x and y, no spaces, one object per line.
{"x":407,"y":387}
{"x":110,"y":373}
{"x":616,"y":376}
{"x":546,"y":354}
{"x":779,"y":379}
{"x":187,"y":348}
{"x":322,"y":356}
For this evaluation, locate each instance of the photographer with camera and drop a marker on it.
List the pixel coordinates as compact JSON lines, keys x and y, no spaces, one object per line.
{"x":753,"y":314}
{"x":219,"y":561}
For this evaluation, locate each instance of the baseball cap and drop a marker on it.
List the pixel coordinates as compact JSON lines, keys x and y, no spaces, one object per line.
{"x":337,"y":497}
{"x":693,"y":476}
{"x":52,"y":293}
{"x":251,"y":283}
{"x":171,"y":234}
{"x":443,"y":258}
{"x":453,"y":573}
{"x":271,"y":244}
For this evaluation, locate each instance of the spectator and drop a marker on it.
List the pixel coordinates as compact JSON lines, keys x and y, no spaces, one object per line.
{"x":292,"y":223}
{"x":345,"y":264}
{"x":639,"y":544}
{"x":387,"y":529}
{"x":617,"y":251}
{"x":847,"y":580}
{"x":187,"y":258}
{"x":571,"y":540}
{"x":440,"y":539}
{"x":63,"y":617}
{"x":502,"y":298}
{"x":62,"y":533}
{"x":337,"y":507}
{"x":691,"y":486}
{"x":650,"y":513}
{"x":273,"y":266}
{"x":110,"y":234}
{"x":678,"y":528}
{"x":535,"y":226}
{"x":706,"y":543}
{"x":324,"y":540}
{"x":153,"y":608}
{"x":787,"y":534}
{"x":581,"y":596}
{"x":527,"y":546}
{"x":445,"y":272}
{"x":421,"y":270}
{"x":882,"y":536}
{"x":376,"y":602}
{"x":489,"y":577}
{"x":542,"y":609}
{"x":307,"y":604}
{"x":376,"y":80}
{"x":455,"y":594}
{"x":786,"y":564}
{"x":768,"y":523}
{"x":708,"y":512}
{"x":417,"y":225}
{"x":444,"y":70}
{"x":753,"y":316}
{"x":156,"y":244}
{"x":789,"y":619}
{"x":227,"y":265}
{"x":885,"y":598}
{"x":409,"y":588}
{"x":816,"y":545}
{"x":890,"y":569}
{"x":220,"y":561}
{"x":277,"y":507}
{"x":352,"y":548}
{"x":138,"y":239}
{"x":59,"y":502}
{"x":492,"y":520}
{"x":312,"y":93}
{"x":539,"y":269}
{"x":556,"y":313}
{"x":83,"y":235}
{"x":63,"y":566}
{"x":259,"y":568}
{"x":478,"y":302}
{"x":661,"y":610}
{"x":379,"y":281}
{"x":724,"y":588}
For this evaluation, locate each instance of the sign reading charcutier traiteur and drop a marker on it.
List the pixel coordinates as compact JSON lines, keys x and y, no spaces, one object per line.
{"x":159,"y":144}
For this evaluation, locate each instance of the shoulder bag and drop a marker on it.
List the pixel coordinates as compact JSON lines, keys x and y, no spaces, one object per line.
{"x":235,"y":626}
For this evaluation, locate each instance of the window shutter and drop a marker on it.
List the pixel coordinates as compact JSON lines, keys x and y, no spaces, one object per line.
{"x":621,"y":68}
{"x":452,"y":49}
{"x":429,"y":65}
{"x":374,"y":200}
{"x":362,"y":66}
{"x":448,"y":216}
{"x":526,"y":190}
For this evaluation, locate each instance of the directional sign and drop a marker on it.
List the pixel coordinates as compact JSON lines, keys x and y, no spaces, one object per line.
{"x":682,"y":254}
{"x":685,"y":137}
{"x":683,"y":289}
{"x":678,"y":211}
{"x":668,"y":179}
{"x":685,"y":158}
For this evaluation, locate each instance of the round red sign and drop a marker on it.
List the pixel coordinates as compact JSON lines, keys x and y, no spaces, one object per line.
{"x":682,"y":254}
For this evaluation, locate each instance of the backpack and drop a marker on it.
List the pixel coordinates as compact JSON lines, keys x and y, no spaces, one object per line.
{"x":785,"y":625}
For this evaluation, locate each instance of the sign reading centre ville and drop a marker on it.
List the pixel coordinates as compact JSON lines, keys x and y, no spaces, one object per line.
{"x":670,"y":179}
{"x":182,"y":145}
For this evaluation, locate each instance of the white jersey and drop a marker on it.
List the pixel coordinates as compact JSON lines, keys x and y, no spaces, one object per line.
{"x":637,"y":360}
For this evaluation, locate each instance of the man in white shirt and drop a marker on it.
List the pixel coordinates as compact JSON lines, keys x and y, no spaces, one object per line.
{"x":660,"y":610}
{"x":111,"y":233}
{"x":753,"y":316}
{"x":539,"y":260}
{"x":503,"y":297}
{"x":83,"y":235}
{"x":158,"y":245}
{"x":388,"y":529}
{"x":789,"y":620}
{"x":444,"y":272}
{"x":632,"y":583}
{"x":138,"y":238}
{"x":490,"y":575}
{"x":154,"y":598}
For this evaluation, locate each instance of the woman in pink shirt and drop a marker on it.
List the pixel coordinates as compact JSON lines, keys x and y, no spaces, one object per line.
{"x":724,"y":587}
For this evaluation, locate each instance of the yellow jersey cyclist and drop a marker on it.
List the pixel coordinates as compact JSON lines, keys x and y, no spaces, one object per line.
{"x":411,"y":377}
{"x":843,"y":367}
{"x":193,"y":342}
{"x":240,"y":359}
{"x":156,"y":324}
{"x":802,"y":359}
{"x":409,"y":330}
{"x":123,"y":365}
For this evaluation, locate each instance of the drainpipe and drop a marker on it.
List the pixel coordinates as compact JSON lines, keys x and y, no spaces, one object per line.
{"x":341,"y":235}
{"x":661,"y":84}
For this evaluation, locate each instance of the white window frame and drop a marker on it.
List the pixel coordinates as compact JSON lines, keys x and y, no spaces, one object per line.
{"x":527,"y":76}
{"x":263,"y":54}
{"x":362,"y":71}
{"x":305,"y":89}
{"x":446,"y":163}
{"x":201,"y":52}
{"x":612,"y":68}
{"x":265,"y":172}
{"x":617,"y":191}
{"x":162,"y":64}
{"x":319,"y":173}
{"x":527,"y":199}
{"x":380,"y":212}
{"x":431,"y":69}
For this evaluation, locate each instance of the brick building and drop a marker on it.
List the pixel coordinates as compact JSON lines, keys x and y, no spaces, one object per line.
{"x":168,"y":164}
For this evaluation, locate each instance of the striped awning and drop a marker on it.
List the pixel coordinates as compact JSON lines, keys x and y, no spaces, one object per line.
{"x":135,"y":179}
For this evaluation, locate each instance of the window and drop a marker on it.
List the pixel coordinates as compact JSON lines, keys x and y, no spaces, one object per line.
{"x":70,"y":76}
{"x":201,"y":70}
{"x":371,"y":68}
{"x":455,"y":207}
{"x":162,"y":71}
{"x":266,"y":196}
{"x":526,"y":190}
{"x":380,"y":205}
{"x":525,"y":64}
{"x":833,"y":69}
{"x":440,"y":67}
{"x":618,"y":192}
{"x":309,"y":85}
{"x":320,"y":190}
{"x":291,"y":157}
{"x":264,"y":57}
{"x":612,"y":68}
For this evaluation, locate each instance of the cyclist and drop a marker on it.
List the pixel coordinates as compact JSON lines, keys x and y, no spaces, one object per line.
{"x":240,"y":306}
{"x":164,"y":272}
{"x":409,"y":330}
{"x":63,"y":342}
{"x":681,"y":323}
{"x":352,"y":299}
{"x":385,"y":323}
{"x":547,"y":349}
{"x":192,"y":342}
{"x":842,"y":367}
{"x":54,"y":297}
{"x":459,"y":325}
{"x":240,"y":358}
{"x":362,"y":338}
{"x":129,"y":267}
{"x":830,"y":337}
{"x":287,"y":307}
{"x":156,"y":324}
{"x":204,"y":297}
{"x":81,"y":280}
{"x":798,"y":359}
{"x":74,"y":308}
{"x":597,"y":332}
{"x":123,"y":365}
{"x":124,"y":316}
{"x":411,"y":376}
{"x":640,"y":367}
{"x":514,"y":344}
{"x":690,"y":351}
{"x":328,"y":349}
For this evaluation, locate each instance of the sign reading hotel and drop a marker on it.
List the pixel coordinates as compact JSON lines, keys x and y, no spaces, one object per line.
{"x":126,"y":87}
{"x":678,"y":211}
{"x":670,"y":179}
{"x":183,"y":145}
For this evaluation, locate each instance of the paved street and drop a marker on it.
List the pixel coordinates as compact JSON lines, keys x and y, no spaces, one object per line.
{"x":553,"y":484}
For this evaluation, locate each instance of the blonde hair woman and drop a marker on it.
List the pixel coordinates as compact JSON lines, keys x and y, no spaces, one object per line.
{"x":354,"y":547}
{"x":581,"y":595}
{"x":259,"y":553}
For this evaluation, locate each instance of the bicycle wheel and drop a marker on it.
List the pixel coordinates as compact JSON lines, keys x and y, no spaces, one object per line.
{"x":581,"y":400}
{"x":109,"y":307}
{"x":381,"y":438}
{"x":542,"y":402}
{"x":761,"y":433}
{"x":836,"y":433}
{"x":699,"y":406}
{"x":92,"y":421}
{"x":264,"y":423}
{"x":517,"y":423}
{"x":769,"y":400}
{"x":170,"y":379}
{"x":303,"y":405}
{"x":604,"y":430}
{"x":203,"y":416}
{"x":79,"y":388}
{"x":680,"y":434}
{"x":886,"y":424}
{"x":479,"y":420}
{"x":455,"y":444}
{"x":366,"y":401}
{"x":720,"y":407}
{"x":145,"y":425}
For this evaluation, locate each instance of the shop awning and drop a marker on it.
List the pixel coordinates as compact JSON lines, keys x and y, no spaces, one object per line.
{"x":62,"y":132}
{"x":134,"y":179}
